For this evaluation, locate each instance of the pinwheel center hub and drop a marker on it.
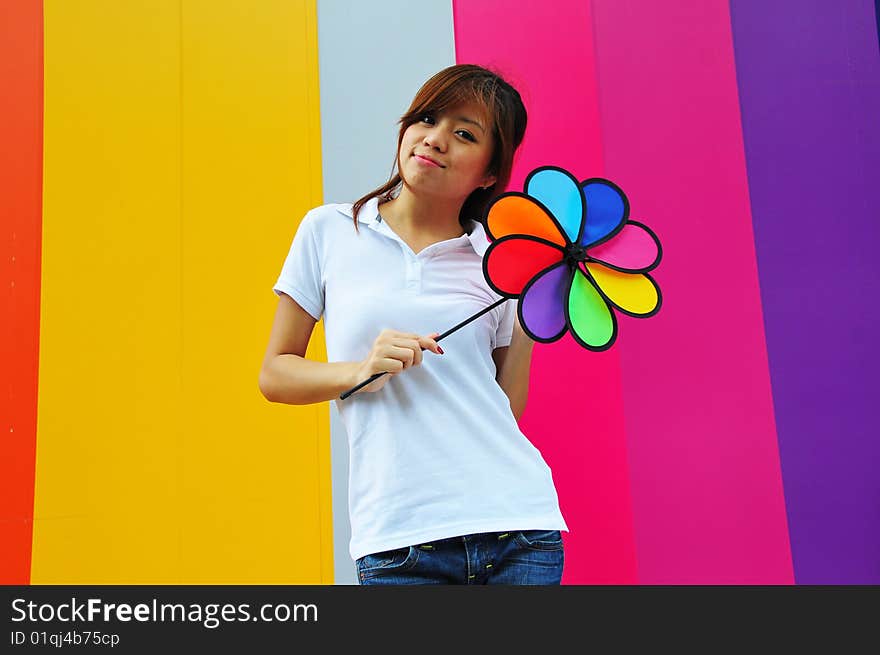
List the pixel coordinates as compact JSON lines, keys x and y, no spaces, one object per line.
{"x":575,"y":253}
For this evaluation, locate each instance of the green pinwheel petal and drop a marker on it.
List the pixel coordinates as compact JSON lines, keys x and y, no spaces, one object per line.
{"x":590,"y":319}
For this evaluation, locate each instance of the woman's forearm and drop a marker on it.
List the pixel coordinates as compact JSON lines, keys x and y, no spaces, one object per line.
{"x":294,"y":380}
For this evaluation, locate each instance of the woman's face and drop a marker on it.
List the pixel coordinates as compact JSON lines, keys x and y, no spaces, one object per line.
{"x":447,"y":154}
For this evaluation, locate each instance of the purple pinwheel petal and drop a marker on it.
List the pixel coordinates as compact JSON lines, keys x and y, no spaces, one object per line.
{"x":543,"y":303}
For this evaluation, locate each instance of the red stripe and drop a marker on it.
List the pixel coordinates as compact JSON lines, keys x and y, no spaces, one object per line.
{"x":21,"y":169}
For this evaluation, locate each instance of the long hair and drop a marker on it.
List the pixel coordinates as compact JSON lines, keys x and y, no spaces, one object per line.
{"x":466,"y":83}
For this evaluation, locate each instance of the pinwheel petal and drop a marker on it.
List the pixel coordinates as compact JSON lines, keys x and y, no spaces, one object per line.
{"x":542,"y":305}
{"x":607,"y":208}
{"x":561,"y":194}
{"x":512,"y":261}
{"x":635,"y":294}
{"x":519,"y":214}
{"x":592,"y":323}
{"x":635,"y":249}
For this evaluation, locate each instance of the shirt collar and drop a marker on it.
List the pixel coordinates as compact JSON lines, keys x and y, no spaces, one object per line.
{"x":369,"y":215}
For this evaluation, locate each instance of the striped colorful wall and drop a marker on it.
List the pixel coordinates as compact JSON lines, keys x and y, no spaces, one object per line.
{"x":178,"y":141}
{"x":156,"y":164}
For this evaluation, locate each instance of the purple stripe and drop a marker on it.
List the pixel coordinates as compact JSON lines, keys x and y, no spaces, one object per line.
{"x":809,"y":83}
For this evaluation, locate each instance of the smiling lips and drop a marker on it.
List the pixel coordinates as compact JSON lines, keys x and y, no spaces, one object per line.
{"x":429,"y":161}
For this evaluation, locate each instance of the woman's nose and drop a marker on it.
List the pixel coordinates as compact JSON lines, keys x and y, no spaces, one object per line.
{"x":434,"y":139}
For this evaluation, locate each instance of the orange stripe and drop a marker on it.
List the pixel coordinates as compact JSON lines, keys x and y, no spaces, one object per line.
{"x":21,"y":169}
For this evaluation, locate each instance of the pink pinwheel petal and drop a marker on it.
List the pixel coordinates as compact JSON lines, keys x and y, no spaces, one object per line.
{"x":634,"y":249}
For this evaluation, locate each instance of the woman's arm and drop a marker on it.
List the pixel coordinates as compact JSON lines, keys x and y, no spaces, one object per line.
{"x":286,"y":376}
{"x":512,"y":364}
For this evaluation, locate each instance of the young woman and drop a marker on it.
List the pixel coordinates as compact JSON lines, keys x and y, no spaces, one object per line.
{"x":444,"y":488}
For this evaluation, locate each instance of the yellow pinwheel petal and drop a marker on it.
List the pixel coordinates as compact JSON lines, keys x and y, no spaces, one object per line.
{"x":634,"y":293}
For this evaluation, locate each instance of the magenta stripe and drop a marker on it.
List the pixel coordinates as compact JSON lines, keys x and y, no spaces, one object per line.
{"x":548,"y":55}
{"x":706,"y":484}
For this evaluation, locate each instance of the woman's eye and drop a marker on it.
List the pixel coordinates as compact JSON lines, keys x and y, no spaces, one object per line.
{"x":467,"y":135}
{"x":428,"y":118}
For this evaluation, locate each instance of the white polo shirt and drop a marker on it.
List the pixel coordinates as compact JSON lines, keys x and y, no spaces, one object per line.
{"x":437,"y":451}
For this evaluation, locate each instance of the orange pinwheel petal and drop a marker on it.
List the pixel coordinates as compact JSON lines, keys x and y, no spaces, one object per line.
{"x":518,"y":214}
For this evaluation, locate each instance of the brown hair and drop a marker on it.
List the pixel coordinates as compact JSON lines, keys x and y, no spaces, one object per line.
{"x":466,"y":83}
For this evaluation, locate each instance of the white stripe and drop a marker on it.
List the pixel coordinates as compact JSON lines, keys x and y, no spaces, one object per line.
{"x":373,"y":57}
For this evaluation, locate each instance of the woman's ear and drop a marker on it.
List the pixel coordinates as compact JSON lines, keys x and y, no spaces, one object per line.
{"x":488,"y":181}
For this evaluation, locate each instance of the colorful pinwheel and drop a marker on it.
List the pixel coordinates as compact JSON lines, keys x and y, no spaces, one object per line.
{"x":569,"y":252}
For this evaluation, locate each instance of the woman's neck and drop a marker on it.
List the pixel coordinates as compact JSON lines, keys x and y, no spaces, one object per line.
{"x":424,"y":218}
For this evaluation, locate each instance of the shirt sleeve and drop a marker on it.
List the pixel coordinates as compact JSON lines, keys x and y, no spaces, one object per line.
{"x":301,"y":276}
{"x":504,"y":333}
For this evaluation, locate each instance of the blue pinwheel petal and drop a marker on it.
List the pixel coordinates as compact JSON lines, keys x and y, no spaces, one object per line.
{"x":607,"y":208}
{"x":560,"y":193}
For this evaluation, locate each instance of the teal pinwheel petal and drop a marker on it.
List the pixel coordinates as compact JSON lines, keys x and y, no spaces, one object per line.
{"x":561,"y":194}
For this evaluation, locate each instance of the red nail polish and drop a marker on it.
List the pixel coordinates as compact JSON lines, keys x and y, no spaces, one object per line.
{"x":440,"y":349}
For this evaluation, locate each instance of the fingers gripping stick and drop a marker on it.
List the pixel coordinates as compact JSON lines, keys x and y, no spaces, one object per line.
{"x":376,"y":376}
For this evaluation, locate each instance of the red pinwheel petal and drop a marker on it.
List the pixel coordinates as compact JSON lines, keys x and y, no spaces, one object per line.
{"x":518,"y":214}
{"x":512,"y":261}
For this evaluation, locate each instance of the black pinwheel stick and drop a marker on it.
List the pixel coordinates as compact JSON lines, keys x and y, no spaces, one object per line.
{"x":442,"y":336}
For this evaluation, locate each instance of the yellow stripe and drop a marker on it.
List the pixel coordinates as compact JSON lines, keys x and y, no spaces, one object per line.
{"x":182,"y":145}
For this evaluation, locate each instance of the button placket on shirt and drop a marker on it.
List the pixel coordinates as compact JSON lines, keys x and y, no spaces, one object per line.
{"x":414,"y":262}
{"x":413,"y":272}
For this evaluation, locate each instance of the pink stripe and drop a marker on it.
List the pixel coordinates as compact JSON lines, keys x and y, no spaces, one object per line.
{"x":706,"y":484}
{"x":575,"y":413}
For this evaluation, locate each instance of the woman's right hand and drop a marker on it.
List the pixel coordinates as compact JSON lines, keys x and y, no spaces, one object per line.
{"x":393,"y":352}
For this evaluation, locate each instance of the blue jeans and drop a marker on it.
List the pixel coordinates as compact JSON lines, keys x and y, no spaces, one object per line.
{"x":524,"y":557}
